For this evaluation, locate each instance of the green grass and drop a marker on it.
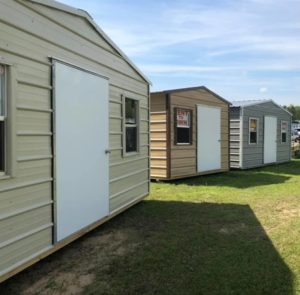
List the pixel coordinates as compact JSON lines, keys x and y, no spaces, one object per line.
{"x":230,"y":233}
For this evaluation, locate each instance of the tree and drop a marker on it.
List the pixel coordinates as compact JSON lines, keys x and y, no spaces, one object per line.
{"x":294,"y":110}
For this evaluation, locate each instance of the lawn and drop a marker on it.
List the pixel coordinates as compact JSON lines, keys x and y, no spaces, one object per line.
{"x":231,"y":233}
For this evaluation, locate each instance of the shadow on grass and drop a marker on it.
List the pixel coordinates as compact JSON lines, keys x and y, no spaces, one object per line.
{"x":273,"y":174}
{"x":291,"y":168}
{"x":173,"y":248}
{"x":236,"y":179}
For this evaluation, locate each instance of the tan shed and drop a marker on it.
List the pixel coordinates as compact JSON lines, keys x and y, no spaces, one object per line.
{"x":189,"y":133}
{"x":74,"y":130}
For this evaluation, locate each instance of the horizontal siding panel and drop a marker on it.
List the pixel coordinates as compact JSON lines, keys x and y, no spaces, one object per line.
{"x":128,"y":197}
{"x":33,"y":121}
{"x":127,"y":168}
{"x":23,"y":223}
{"x":33,"y":97}
{"x":158,"y":173}
{"x":123,"y":184}
{"x":161,"y":163}
{"x":21,"y":250}
{"x":33,"y":145}
{"x":158,"y":154}
{"x":20,"y":199}
{"x":158,"y":117}
{"x":31,"y":170}
{"x":116,"y":156}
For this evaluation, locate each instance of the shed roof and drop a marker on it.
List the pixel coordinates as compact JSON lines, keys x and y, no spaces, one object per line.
{"x":247,"y":103}
{"x":84,"y":14}
{"x":193,"y":88}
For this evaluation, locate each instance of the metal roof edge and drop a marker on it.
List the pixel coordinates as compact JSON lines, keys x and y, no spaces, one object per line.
{"x":265,"y":101}
{"x":192,"y":88}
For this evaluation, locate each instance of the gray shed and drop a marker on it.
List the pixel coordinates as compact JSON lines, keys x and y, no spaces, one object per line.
{"x":260,"y":134}
{"x":74,"y":128}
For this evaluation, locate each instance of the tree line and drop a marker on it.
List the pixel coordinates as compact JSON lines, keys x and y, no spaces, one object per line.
{"x":294,"y":110}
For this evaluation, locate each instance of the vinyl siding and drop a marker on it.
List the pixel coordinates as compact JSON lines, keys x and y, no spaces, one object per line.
{"x":29,"y":34}
{"x":235,"y":137}
{"x":253,"y":154}
{"x":158,"y":129}
{"x":184,"y":158}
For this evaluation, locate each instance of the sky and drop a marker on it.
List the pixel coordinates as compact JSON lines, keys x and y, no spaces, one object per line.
{"x":241,"y":49}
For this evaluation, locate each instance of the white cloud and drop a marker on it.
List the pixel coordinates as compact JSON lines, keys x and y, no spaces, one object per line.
{"x":263,"y":89}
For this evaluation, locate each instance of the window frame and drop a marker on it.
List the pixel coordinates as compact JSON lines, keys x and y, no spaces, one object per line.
{"x":257,"y":131}
{"x":125,"y":126}
{"x":190,"y":128}
{"x":286,"y":132}
{"x":3,"y":118}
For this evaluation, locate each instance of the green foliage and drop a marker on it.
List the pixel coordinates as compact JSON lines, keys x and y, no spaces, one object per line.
{"x":295,"y":110}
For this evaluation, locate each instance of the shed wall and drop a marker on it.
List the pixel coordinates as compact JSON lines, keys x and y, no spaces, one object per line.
{"x":158,"y":136}
{"x":184,"y":158}
{"x":253,"y":154}
{"x":29,"y":34}
{"x":235,"y":137}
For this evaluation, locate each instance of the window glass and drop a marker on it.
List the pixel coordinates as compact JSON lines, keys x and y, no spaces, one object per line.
{"x":253,"y":126}
{"x":183,"y":126}
{"x":284,"y":130}
{"x":131,"y":139}
{"x":131,"y":111}
{"x":2,"y":146}
{"x":131,"y":125}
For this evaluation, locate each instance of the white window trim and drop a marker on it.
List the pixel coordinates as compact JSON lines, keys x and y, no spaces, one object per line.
{"x":137,"y":125}
{"x":4,"y":120}
{"x":257,"y":131}
{"x":189,"y":128}
{"x":283,"y":121}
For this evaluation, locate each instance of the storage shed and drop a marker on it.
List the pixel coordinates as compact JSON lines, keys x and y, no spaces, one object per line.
{"x":260,"y":134}
{"x":74,"y":127}
{"x":189,"y":133}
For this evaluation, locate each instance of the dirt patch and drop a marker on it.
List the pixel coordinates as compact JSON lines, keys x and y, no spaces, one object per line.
{"x":62,"y":283}
{"x":72,"y":269}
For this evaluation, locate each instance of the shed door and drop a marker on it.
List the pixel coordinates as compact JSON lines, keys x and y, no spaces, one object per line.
{"x":81,"y":164}
{"x":270,"y":140}
{"x":208,"y":138}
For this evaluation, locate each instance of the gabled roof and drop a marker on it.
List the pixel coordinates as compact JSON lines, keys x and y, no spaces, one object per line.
{"x":193,"y":88}
{"x":248,"y":103}
{"x":84,"y":14}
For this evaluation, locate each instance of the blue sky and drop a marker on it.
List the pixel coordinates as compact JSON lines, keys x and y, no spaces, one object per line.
{"x":241,"y":49}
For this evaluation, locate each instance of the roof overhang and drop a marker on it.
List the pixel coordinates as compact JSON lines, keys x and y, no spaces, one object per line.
{"x":191,"y":89}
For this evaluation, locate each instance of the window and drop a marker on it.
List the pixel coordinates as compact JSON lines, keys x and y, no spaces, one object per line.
{"x":131,"y":131}
{"x":2,"y":117}
{"x":253,"y":130}
{"x":183,"y":126}
{"x":284,"y":131}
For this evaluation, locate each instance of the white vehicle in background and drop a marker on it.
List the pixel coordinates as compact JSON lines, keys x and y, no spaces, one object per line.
{"x":296,"y":135}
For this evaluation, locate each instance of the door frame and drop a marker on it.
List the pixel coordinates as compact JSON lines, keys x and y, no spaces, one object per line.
{"x":197,"y":129}
{"x":53,"y":61}
{"x":276,"y":140}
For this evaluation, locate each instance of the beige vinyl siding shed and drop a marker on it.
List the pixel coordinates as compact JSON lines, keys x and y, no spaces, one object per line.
{"x":37,"y":37}
{"x":173,"y":160}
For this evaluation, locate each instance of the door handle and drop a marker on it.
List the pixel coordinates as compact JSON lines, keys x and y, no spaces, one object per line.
{"x":107,"y":151}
